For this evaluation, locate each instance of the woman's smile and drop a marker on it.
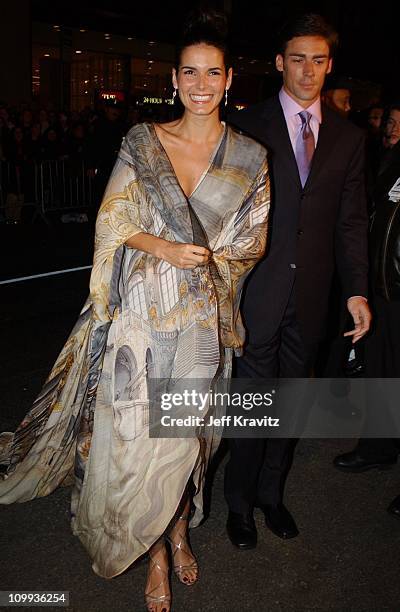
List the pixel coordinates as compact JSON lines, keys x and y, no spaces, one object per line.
{"x":201,"y":98}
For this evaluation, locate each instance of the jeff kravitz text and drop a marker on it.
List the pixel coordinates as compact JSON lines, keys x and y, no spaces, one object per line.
{"x":224,"y":421}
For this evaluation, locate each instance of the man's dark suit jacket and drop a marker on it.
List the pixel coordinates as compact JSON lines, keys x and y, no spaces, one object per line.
{"x":310,"y":228}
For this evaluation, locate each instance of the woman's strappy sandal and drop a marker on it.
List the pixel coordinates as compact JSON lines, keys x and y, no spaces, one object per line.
{"x":184,"y":546}
{"x":152,"y":601}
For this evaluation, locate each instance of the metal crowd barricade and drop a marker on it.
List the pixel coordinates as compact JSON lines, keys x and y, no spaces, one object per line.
{"x":49,"y":186}
{"x":64,"y":185}
{"x":18,"y":189}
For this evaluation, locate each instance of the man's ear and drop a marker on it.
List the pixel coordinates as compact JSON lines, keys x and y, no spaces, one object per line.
{"x":329,"y":66}
{"x":279,"y":62}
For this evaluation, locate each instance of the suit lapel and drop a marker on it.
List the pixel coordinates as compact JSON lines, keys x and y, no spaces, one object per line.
{"x":278,"y":140}
{"x":325,"y":144}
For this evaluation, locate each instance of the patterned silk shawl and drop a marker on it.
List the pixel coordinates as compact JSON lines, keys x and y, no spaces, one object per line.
{"x":144,"y":318}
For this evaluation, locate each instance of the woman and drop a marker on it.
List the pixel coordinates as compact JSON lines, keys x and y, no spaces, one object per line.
{"x":182,"y":222}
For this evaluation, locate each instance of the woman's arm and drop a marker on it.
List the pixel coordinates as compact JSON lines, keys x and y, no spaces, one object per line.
{"x":179,"y":255}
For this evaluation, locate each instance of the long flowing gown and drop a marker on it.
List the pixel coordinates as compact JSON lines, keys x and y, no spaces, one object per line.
{"x":144,"y":318}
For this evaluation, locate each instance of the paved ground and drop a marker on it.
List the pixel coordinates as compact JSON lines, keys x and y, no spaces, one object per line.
{"x":345,"y":559}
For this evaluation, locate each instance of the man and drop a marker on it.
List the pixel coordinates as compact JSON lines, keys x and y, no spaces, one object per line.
{"x":337,"y":96}
{"x":375,"y":147}
{"x":391,"y":133}
{"x":318,"y":215}
{"x":374,"y":119}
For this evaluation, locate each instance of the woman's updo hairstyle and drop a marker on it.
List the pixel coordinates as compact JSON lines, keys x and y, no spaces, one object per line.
{"x":205,"y":26}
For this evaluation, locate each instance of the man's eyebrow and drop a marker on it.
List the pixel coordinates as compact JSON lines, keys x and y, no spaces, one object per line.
{"x":319,"y":56}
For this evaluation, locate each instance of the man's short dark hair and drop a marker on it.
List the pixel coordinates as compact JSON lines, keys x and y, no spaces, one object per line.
{"x":309,"y":24}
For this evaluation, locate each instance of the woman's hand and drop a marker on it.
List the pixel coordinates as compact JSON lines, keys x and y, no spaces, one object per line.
{"x":178,"y":254}
{"x":183,"y":255}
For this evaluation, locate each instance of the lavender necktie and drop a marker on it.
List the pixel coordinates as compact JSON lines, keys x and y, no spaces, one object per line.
{"x":305,"y":145}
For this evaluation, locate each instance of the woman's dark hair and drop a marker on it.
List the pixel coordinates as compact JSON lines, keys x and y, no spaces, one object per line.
{"x":207,"y":26}
{"x":309,"y":24}
{"x":393,"y":106}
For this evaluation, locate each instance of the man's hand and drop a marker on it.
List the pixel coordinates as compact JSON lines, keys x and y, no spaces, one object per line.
{"x":359,"y":310}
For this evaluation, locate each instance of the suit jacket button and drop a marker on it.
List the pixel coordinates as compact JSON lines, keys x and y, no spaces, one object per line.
{"x":300,"y":232}
{"x":303,"y":195}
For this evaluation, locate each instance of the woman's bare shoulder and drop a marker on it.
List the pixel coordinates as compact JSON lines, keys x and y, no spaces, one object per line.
{"x":169,"y":128}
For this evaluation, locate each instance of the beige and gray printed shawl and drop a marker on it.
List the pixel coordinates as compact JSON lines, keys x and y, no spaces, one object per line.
{"x":143,"y":318}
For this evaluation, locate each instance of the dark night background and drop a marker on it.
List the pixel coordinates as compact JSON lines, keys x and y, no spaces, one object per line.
{"x":369,"y":33}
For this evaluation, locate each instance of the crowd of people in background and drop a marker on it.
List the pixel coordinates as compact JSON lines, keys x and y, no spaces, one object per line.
{"x":86,"y":142}
{"x":92,"y":138}
{"x":28,"y":135}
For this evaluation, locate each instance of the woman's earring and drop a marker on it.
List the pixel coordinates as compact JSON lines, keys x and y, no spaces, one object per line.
{"x":226,"y":97}
{"x":174,"y":95}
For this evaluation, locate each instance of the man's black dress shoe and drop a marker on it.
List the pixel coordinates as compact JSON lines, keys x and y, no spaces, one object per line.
{"x":242,"y":530}
{"x":394,"y":507}
{"x":279,"y":520}
{"x":354,"y":462}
